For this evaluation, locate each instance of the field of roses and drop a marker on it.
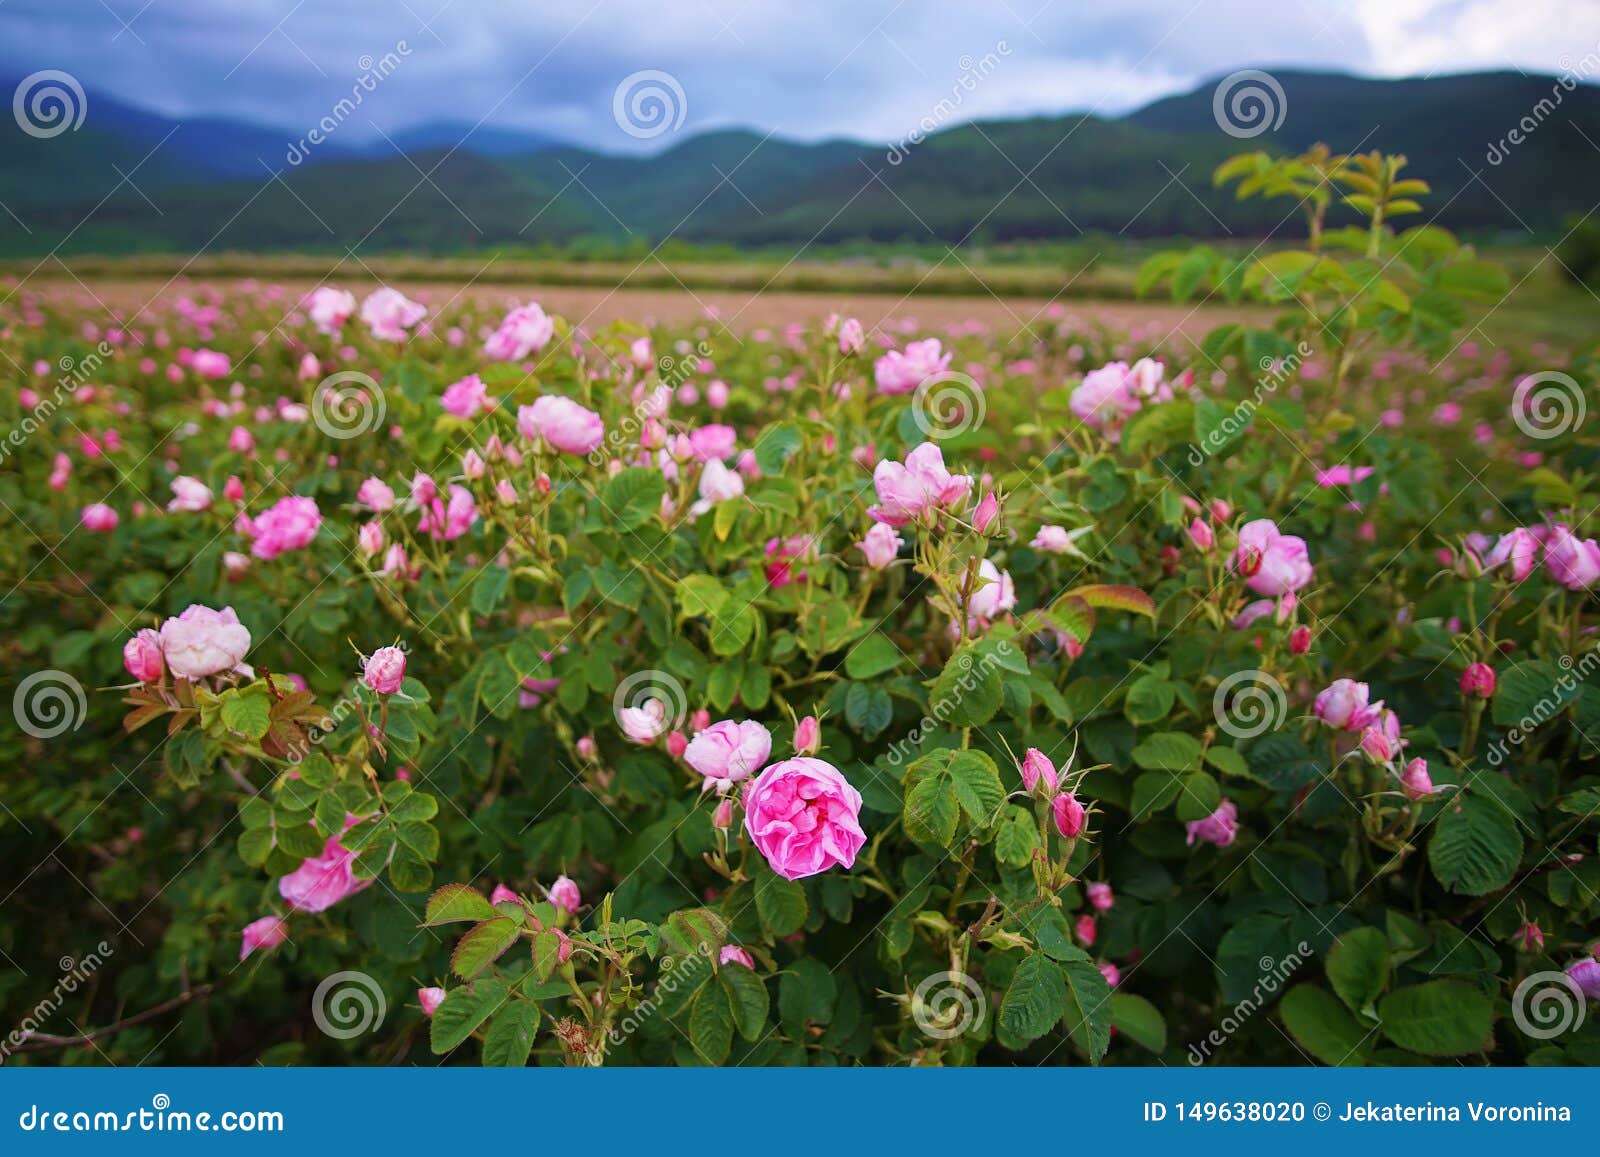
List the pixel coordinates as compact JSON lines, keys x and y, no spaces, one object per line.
{"x":406,"y":682}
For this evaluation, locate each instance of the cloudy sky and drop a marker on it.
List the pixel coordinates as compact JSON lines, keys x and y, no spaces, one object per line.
{"x":807,"y":69}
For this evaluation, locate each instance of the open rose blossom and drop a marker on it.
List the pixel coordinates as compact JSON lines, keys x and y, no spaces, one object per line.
{"x":389,"y":314}
{"x":727,"y":752}
{"x":202,"y":641}
{"x":1219,"y":828}
{"x":804,"y":817}
{"x":288,"y":524}
{"x":899,"y":372}
{"x":330,"y":308}
{"x":466,"y":398}
{"x":561,"y":423}
{"x":918,"y":488}
{"x":323,"y":880}
{"x":1275,"y":563}
{"x":526,"y":330}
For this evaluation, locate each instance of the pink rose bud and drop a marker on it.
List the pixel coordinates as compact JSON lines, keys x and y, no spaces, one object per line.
{"x":1068,"y":814}
{"x":233,"y":489}
{"x":733,"y":954}
{"x":587,"y":747}
{"x":1083,"y":929}
{"x":430,"y":999}
{"x":1300,"y":640}
{"x":506,"y":492}
{"x":700,"y":720}
{"x":1200,"y":534}
{"x":1037,"y":770}
{"x":564,"y":894}
{"x":722,"y":818}
{"x":141,"y":655}
{"x":503,"y":895}
{"x":1111,"y":972}
{"x":370,"y":537}
{"x":1414,"y":779}
{"x":1221,"y":509}
{"x":1478,"y":680}
{"x":267,"y":932}
{"x":99,"y":518}
{"x":677,"y":744}
{"x":384,"y":670}
{"x":1530,"y":938}
{"x":807,"y":736}
{"x":1100,"y":896}
{"x":988,"y":510}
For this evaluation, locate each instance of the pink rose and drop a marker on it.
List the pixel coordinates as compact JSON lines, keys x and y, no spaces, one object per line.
{"x":267,"y":932}
{"x":330,"y":308}
{"x":1478,"y":681}
{"x":1519,"y":547}
{"x":564,"y":894}
{"x":881,"y":545}
{"x":376,"y":495}
{"x":466,"y":398}
{"x":1415,"y":781}
{"x":1100,"y":896}
{"x":1084,"y":929}
{"x":995,"y":594}
{"x":852,"y":339}
{"x":1344,"y":705}
{"x":1052,"y":540}
{"x":389,"y":314}
{"x":987,"y":511}
{"x":1220,"y":827}
{"x":1105,"y":398}
{"x":562,"y":423}
{"x":901,"y":372}
{"x":1572,"y":561}
{"x":1585,"y":974}
{"x":288,"y":524}
{"x":99,"y":518}
{"x":323,"y":880}
{"x":645,"y":723}
{"x":804,"y":817}
{"x":503,"y":895}
{"x":1068,"y":814}
{"x":1281,"y":562}
{"x":141,"y":655}
{"x":733,"y":954}
{"x":917,"y":488}
{"x":430,"y":999}
{"x":202,"y":641}
{"x":190,"y":495}
{"x":1037,"y":769}
{"x":526,"y":330}
{"x":1200,"y":534}
{"x":448,"y":523}
{"x":384,"y":670}
{"x":719,"y":484}
{"x":727,"y":752}
{"x":807,"y":736}
{"x":713,"y":441}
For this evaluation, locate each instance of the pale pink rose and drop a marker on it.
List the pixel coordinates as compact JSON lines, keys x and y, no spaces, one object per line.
{"x":429,"y":999}
{"x":645,"y":723}
{"x":241,"y":440}
{"x":375,"y":495}
{"x":288,"y":524}
{"x":267,"y":932}
{"x":190,"y":495}
{"x":1380,"y":740}
{"x":1105,"y":398}
{"x":446,"y":523}
{"x":370,"y":537}
{"x":719,"y":484}
{"x":202,"y":641}
{"x":919,"y":487}
{"x":727,"y":752}
{"x":562,"y":423}
{"x":733,"y":954}
{"x":235,"y":563}
{"x":1519,"y":547}
{"x":1572,"y":561}
{"x":1275,"y":563}
{"x":1221,"y":827}
{"x":142,"y":657}
{"x":995,"y":594}
{"x":1343,"y":705}
{"x":384,"y":670}
{"x":881,"y":545}
{"x":804,"y":817}
{"x":1052,"y":540}
{"x":323,"y":880}
{"x":901,"y":372}
{"x":1200,"y":534}
{"x":713,"y":441}
{"x":388,"y":313}
{"x":1344,"y":475}
{"x":395,"y":562}
{"x":330,"y":308}
{"x":852,"y":340}
{"x":466,"y":398}
{"x":526,"y":330}
{"x":564,"y":895}
{"x":210,"y":363}
{"x":99,"y":518}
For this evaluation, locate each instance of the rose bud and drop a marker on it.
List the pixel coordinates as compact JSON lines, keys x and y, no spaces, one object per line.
{"x":1478,"y":680}
{"x":430,"y":999}
{"x":807,"y":736}
{"x":1530,"y":938}
{"x":1200,"y":534}
{"x":733,"y":954}
{"x":1068,"y":814}
{"x":1037,"y":769}
{"x":564,"y":894}
{"x":722,"y":818}
{"x":1100,"y":896}
{"x":1414,"y":779}
{"x":141,"y":655}
{"x":1083,"y":929}
{"x":984,"y":516}
{"x":1300,"y":640}
{"x":677,"y":744}
{"x":267,"y":932}
{"x":384,"y":670}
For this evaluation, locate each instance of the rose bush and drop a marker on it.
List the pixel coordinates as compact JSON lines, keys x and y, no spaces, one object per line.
{"x":822,"y":697}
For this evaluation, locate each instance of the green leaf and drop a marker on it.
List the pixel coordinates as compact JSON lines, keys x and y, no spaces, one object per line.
{"x":747,"y":996}
{"x":247,"y":710}
{"x":457,"y":902}
{"x":977,"y":786}
{"x":692,"y":930}
{"x":510,"y":1037}
{"x":1087,"y":1011}
{"x":1168,"y":751}
{"x":1358,"y":967}
{"x":632,"y":497}
{"x":1149,"y":699}
{"x":931,"y":810}
{"x":1139,"y":1020}
{"x":774,"y":446}
{"x":700,"y":594}
{"x":1017,"y":838}
{"x":1034,"y":1000}
{"x":1476,"y":846}
{"x":1117,"y":598}
{"x":1442,"y":1018}
{"x":490,"y":588}
{"x":1324,"y":1027}
{"x":463,"y":1010}
{"x":968,"y":691}
{"x":780,"y":903}
{"x":482,"y":946}
{"x":873,"y":655}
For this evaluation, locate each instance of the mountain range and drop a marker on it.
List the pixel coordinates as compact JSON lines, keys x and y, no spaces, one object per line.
{"x":131,"y":180}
